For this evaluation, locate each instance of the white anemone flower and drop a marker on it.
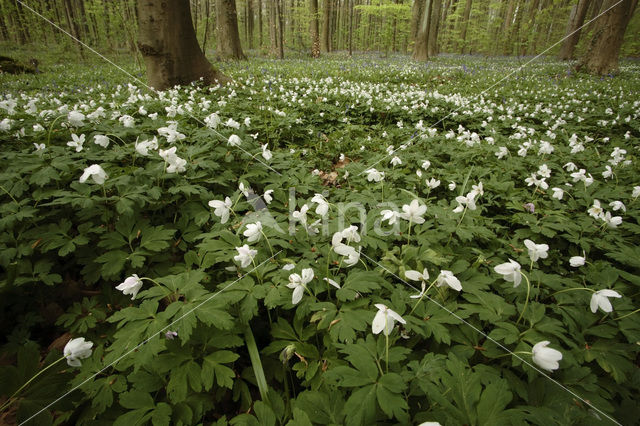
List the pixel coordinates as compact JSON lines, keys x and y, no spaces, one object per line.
{"x":253,"y":232}
{"x":413,"y":212}
{"x":245,"y":255}
{"x":385,"y":320}
{"x":510,"y":271}
{"x":96,"y":172}
{"x":298,"y":284}
{"x":447,"y":278}
{"x":222,"y":208}
{"x":546,"y":358}
{"x":536,"y":251}
{"x":599,"y":299}
{"x":131,"y":286}
{"x":77,"y":349}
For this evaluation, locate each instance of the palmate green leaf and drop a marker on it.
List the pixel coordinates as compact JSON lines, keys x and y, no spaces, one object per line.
{"x":389,"y":393}
{"x":156,"y":238}
{"x":359,"y":282}
{"x":213,"y":367}
{"x":360,"y":408}
{"x":324,"y":407}
{"x":113,"y":263}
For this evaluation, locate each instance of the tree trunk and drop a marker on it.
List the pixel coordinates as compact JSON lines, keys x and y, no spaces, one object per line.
{"x":314,"y":29}
{"x":465,"y":24}
{"x":576,"y":19}
{"x":602,"y":56}
{"x":71,"y":22}
{"x":169,"y":47}
{"x":260,"y":24}
{"x":434,"y":27}
{"x":228,"y":38}
{"x":350,"y":27}
{"x":280,"y":33}
{"x":325,"y":38}
{"x":207,"y":12}
{"x":421,"y":49}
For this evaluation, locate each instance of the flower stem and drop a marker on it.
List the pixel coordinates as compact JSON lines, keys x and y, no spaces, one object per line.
{"x":268,"y":243}
{"x":12,"y":399}
{"x":422,"y":296}
{"x":526,"y":302}
{"x":627,"y":315}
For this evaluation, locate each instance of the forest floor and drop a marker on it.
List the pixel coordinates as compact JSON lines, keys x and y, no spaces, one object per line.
{"x":308,"y":202}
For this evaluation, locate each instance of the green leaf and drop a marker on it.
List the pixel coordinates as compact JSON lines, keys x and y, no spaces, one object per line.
{"x":360,"y":408}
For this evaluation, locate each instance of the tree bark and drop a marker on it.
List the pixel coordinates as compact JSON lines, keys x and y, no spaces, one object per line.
{"x":314,"y":29}
{"x":602,"y":55}
{"x":576,"y":19}
{"x":228,"y":38}
{"x":350,"y":27}
{"x":465,"y":24}
{"x":169,"y":46}
{"x":421,"y":49}
{"x":325,"y":38}
{"x":280,"y":33}
{"x":434,"y":27}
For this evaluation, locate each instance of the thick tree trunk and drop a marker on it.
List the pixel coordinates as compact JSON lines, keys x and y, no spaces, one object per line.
{"x":169,"y":47}
{"x":602,"y":56}
{"x":325,"y":38}
{"x":576,"y":19}
{"x":421,"y":49}
{"x":416,"y":16}
{"x":228,"y":38}
{"x":314,"y":29}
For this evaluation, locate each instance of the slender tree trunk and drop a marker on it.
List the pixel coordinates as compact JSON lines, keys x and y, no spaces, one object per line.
{"x":207,"y":12}
{"x":465,"y":24}
{"x":228,"y":38}
{"x":325,"y":38}
{"x":434,"y":27}
{"x":169,"y":46}
{"x":260,"y":23}
{"x":280,"y":34}
{"x":602,"y":56}
{"x":71,"y":22}
{"x":313,"y":29}
{"x":576,"y":19}
{"x":350,"y":27}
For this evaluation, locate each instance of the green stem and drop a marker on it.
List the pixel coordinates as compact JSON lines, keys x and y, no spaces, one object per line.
{"x":51,"y":128}
{"x":526,"y":302}
{"x":12,"y":399}
{"x":9,"y":194}
{"x":627,"y":315}
{"x":422,"y":296}
{"x":571,"y":289}
{"x":409,"y":232}
{"x":256,"y":363}
{"x":386,"y":338}
{"x":268,"y":243}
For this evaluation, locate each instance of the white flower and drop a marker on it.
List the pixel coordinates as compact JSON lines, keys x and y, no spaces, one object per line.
{"x":247,"y":121}
{"x":570,"y":167}
{"x":253,"y":232}
{"x":417,"y":276}
{"x":385,"y":320}
{"x":127,"y":121}
{"x":144,"y":146}
{"x":452,"y":185}
{"x":374,"y":176}
{"x":536,"y":251}
{"x":332,"y":282}
{"x":75,"y":118}
{"x":395,"y":161}
{"x":267,"y":196}
{"x":350,"y":234}
{"x":389,"y":215}
{"x":600,"y":300}
{"x":96,"y":172}
{"x":502,"y":152}
{"x":39,"y":147}
{"x":323,"y":205}
{"x":301,"y":216}
{"x":546,"y":358}
{"x":558,"y":193}
{"x":245,"y":255}
{"x":636,"y":192}
{"x":577,"y":261}
{"x":419,"y":173}
{"x":212,"y":121}
{"x":266,"y":154}
{"x":77,"y":142}
{"x":426,"y":164}
{"x":608,"y":172}
{"x":447,"y":278}
{"x":101,"y":140}
{"x":77,"y":349}
{"x":432,"y":183}
{"x":617,"y":205}
{"x":234,"y":140}
{"x":344,"y":250}
{"x":468,"y":201}
{"x":413,"y":212}
{"x":510,"y":272}
{"x":232,"y":123}
{"x":612,"y":222}
{"x":243,"y":189}
{"x":596,"y":211}
{"x":222,"y":208}
{"x":298,"y":284}
{"x":130,"y":286}
{"x":288,"y":266}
